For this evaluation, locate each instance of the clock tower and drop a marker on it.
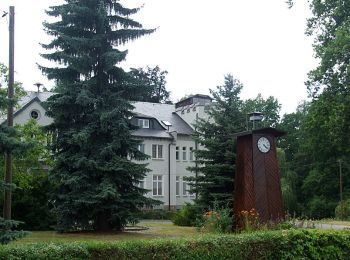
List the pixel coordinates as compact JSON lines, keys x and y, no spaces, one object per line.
{"x":257,"y":178}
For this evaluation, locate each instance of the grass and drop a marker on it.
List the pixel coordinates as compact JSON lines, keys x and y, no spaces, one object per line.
{"x":156,"y":229}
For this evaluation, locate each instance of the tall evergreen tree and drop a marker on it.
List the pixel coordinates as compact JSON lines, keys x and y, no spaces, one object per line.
{"x":215,"y":167}
{"x":96,"y":181}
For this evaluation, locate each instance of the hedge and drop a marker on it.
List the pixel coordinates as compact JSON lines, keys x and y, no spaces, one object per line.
{"x":288,"y":244}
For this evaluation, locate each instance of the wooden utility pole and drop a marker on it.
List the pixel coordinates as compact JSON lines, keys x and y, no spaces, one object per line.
{"x":340,"y":181}
{"x":8,"y":155}
{"x":341,"y":191}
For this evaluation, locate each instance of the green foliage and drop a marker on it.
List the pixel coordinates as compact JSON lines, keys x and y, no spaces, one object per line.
{"x":9,"y":141}
{"x":187,"y":215}
{"x":94,"y":177}
{"x":8,"y":232}
{"x":342,"y":211}
{"x":269,"y":107}
{"x":215,"y":164}
{"x":329,"y":25}
{"x":30,"y":203}
{"x":288,"y":183}
{"x":218,"y":220}
{"x":286,"y":244}
{"x":327,"y":123}
{"x":156,"y":214}
{"x":292,"y":124}
{"x":152,"y":82}
{"x":317,"y":131}
{"x":30,"y":198}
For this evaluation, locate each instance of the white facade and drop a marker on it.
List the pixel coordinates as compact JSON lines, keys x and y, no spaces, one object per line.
{"x":168,"y":170}
{"x":166,"y":134}
{"x":32,"y":109}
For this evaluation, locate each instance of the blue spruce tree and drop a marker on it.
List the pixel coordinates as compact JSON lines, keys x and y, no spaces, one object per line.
{"x":95,"y":178}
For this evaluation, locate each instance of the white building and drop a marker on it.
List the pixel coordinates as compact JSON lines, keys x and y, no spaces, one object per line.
{"x":166,"y":133}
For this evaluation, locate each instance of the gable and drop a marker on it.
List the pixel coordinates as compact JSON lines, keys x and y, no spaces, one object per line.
{"x":24,"y":114}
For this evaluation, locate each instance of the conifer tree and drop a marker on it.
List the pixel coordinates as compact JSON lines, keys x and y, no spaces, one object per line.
{"x":9,"y":143}
{"x":96,"y":181}
{"x":215,"y":164}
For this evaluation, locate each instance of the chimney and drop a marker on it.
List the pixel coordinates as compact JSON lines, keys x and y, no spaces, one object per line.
{"x":38,"y":85}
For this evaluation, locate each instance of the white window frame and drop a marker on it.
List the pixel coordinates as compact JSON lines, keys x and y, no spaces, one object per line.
{"x":143,"y":123}
{"x":184,"y":153}
{"x":157,"y":182}
{"x":177,"y":187}
{"x":159,"y":151}
{"x":191,"y":154}
{"x":177,"y":153}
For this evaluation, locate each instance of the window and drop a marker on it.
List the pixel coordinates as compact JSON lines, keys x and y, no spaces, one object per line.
{"x":184,"y":188}
{"x":141,"y":148}
{"x":187,"y":188}
{"x":157,"y":185}
{"x":191,"y":153}
{"x":143,"y":123}
{"x":177,"y":154}
{"x":157,"y":151}
{"x":184,"y":153}
{"x":35,"y":114}
{"x":177,"y":185}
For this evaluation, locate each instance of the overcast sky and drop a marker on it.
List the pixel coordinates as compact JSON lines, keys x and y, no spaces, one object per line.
{"x":261,"y":43}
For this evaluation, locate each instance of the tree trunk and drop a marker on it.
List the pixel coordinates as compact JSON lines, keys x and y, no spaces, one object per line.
{"x":103,"y":224}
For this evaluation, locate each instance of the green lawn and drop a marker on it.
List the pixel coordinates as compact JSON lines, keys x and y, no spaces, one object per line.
{"x":156,"y":229}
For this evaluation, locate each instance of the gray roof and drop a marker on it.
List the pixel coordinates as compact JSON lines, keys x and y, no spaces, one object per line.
{"x":42,"y":96}
{"x":143,"y":132}
{"x":163,"y":112}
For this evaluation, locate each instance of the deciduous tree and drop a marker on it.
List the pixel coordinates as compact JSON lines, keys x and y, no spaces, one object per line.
{"x":153,"y":83}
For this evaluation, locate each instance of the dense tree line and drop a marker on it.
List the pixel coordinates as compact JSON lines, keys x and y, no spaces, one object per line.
{"x":318,"y":143}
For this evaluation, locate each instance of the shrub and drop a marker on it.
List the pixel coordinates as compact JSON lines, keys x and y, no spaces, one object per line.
{"x":248,"y":220}
{"x":156,"y":214}
{"x":8,"y":232}
{"x":187,"y":216}
{"x":218,"y":220}
{"x":285,"y":244}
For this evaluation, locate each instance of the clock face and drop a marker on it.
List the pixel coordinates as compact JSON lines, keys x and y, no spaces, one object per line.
{"x":264,"y":145}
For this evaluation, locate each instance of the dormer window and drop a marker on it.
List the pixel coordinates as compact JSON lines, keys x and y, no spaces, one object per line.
{"x":143,"y":123}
